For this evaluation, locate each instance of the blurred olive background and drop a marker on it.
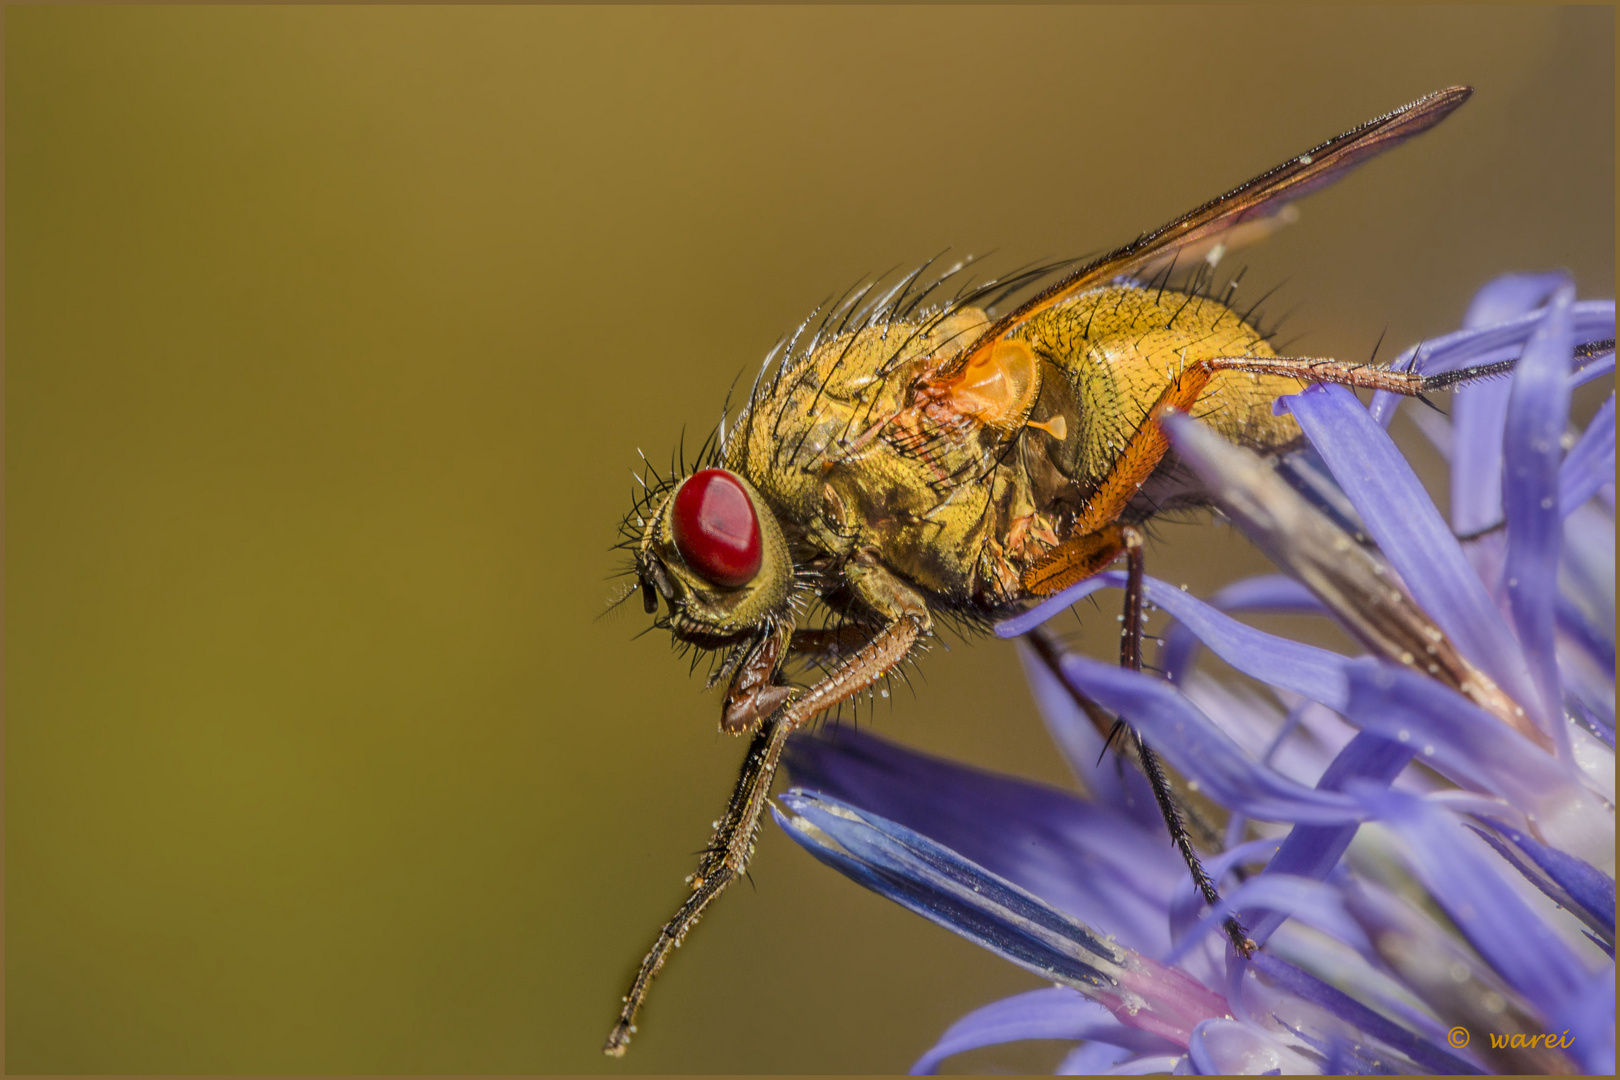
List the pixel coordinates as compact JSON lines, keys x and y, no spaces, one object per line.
{"x":331,"y":338}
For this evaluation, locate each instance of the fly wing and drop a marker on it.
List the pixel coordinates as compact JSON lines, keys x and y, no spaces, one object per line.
{"x":1263,"y":197}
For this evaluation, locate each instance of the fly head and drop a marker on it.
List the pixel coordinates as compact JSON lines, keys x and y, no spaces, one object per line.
{"x":715,"y":553}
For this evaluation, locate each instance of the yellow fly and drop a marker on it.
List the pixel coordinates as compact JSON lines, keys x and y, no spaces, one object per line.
{"x":910,"y":462}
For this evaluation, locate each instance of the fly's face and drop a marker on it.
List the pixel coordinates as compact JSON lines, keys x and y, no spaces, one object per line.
{"x":714,"y":552}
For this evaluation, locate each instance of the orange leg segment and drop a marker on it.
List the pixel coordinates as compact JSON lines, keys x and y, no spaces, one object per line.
{"x":1097,"y":539}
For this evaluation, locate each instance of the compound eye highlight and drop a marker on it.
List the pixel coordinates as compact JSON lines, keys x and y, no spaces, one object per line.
{"x":716,"y":530}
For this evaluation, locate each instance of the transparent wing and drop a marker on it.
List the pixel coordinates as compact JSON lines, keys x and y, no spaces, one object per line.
{"x":1248,"y":204}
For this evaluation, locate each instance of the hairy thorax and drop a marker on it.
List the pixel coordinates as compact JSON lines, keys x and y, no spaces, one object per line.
{"x":871,"y":446}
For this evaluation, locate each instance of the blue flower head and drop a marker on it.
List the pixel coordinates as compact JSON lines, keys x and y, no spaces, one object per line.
{"x":1420,"y":838}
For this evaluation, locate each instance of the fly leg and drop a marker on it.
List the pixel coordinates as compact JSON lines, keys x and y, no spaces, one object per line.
{"x":1097,"y":538}
{"x":1313,"y":369}
{"x":828,"y":646}
{"x":726,"y":857}
{"x":1130,"y":656}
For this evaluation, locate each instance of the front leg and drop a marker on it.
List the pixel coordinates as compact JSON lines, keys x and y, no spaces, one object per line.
{"x":726,"y":857}
{"x":754,"y":693}
{"x":884,"y":593}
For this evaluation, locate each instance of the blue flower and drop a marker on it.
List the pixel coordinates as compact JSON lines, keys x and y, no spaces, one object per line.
{"x":1420,"y":838}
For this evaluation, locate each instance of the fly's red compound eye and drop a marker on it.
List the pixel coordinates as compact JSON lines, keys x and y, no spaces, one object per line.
{"x":715,"y":529}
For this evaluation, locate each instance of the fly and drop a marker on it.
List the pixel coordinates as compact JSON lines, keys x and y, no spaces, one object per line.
{"x":920,"y":460}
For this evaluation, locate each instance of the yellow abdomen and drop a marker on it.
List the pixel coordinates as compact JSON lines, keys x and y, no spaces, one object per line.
{"x":1117,"y":348}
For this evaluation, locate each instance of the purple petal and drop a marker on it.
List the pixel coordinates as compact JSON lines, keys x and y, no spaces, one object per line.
{"x":946,"y":889}
{"x":1573,"y":883}
{"x":1057,"y":604}
{"x":1312,"y":672}
{"x":1479,"y":409}
{"x":1462,"y":878}
{"x":1510,"y":296}
{"x":1486,"y":344}
{"x":1452,"y":734}
{"x":1538,"y":411}
{"x":1590,"y":1034}
{"x":1094,"y":1058}
{"x":1497,"y":302}
{"x":1586,"y":611}
{"x":1268,"y":593}
{"x":1228,"y":1048}
{"x":1174,"y":727}
{"x":1306,"y":987}
{"x":1145,"y":1066}
{"x":1125,"y":791}
{"x":1103,"y":868}
{"x":1596,"y":643}
{"x":1590,"y":463}
{"x":1290,"y":665}
{"x":1313,"y":851}
{"x":1411,"y":533}
{"x":1302,"y":899}
{"x":1437,"y":429}
{"x":1052,"y":1013}
{"x":1440,"y":968}
{"x":1304,"y":470}
{"x":1262,"y":729}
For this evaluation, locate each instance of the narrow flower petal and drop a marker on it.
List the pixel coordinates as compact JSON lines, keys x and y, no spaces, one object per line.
{"x":1228,"y":1048}
{"x":1478,"y":411}
{"x":1304,"y":986}
{"x":1590,"y":462}
{"x":1291,"y":665}
{"x":1573,"y":883}
{"x":1411,"y":533}
{"x":1511,"y":296}
{"x":1476,"y":750}
{"x":1305,"y":472}
{"x":1357,"y":586}
{"x":1147,"y":1066}
{"x":1125,"y":791}
{"x":1594,"y":321}
{"x":1096,"y":1058}
{"x":1310,"y":902}
{"x":1587,"y":616}
{"x":1312,"y":851}
{"x":940,"y":885}
{"x":1437,"y":429}
{"x":1174,"y":727}
{"x":1101,"y":867}
{"x":1478,"y":414}
{"x":1057,"y":604}
{"x":1464,"y":879}
{"x":1538,"y":410}
{"x":1451,"y":734}
{"x":1450,"y":978}
{"x":1272,"y":593}
{"x":1307,"y":670}
{"x":1262,"y":729}
{"x":1594,"y":641}
{"x":1053,"y":1013}
{"x":1590,"y":1017}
